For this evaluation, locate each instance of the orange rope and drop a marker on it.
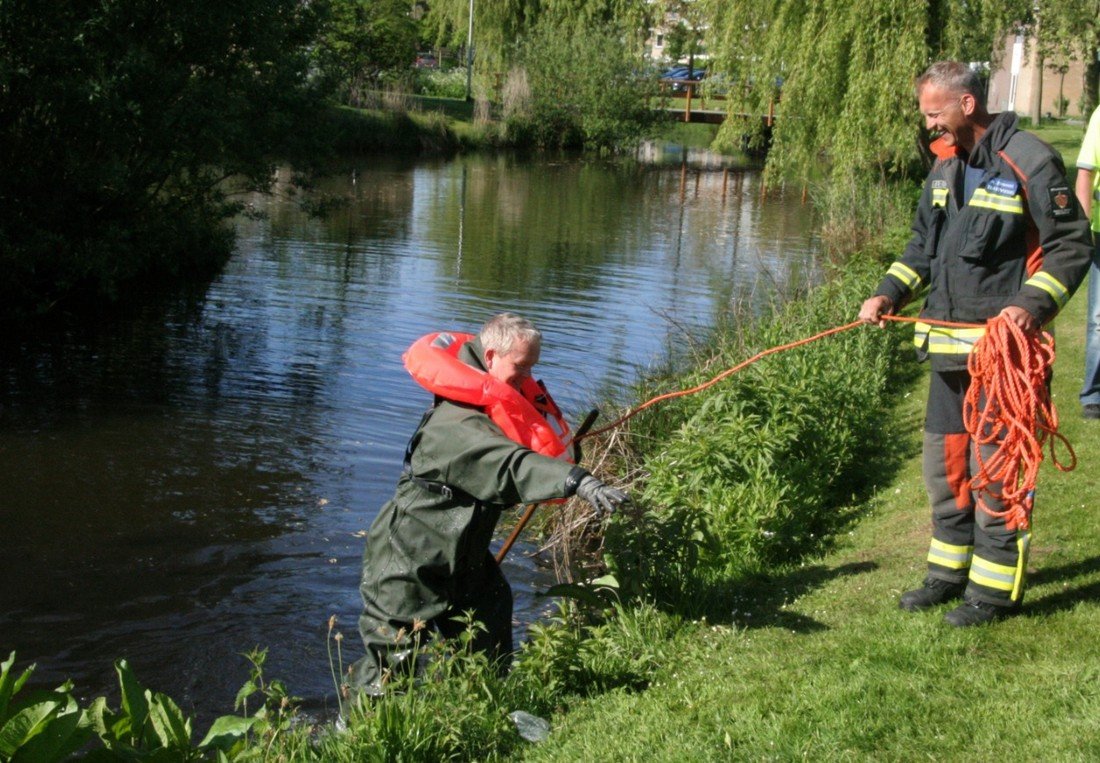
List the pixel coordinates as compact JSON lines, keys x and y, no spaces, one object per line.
{"x":1008,"y":403}
{"x":728,"y":372}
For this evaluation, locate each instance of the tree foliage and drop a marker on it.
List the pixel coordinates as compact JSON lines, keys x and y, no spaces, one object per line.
{"x":360,"y":40}
{"x":686,"y":22}
{"x":836,"y":74}
{"x":499,"y":25}
{"x":120,"y":121}
{"x":584,"y":89}
{"x":839,"y":74}
{"x":1069,"y":30}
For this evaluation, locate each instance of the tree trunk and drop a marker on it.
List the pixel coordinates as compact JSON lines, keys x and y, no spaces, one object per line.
{"x":1035,"y":108}
{"x":1089,"y":95}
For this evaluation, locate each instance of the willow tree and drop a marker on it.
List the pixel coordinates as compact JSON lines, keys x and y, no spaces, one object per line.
{"x":501,"y":26}
{"x":839,"y":73}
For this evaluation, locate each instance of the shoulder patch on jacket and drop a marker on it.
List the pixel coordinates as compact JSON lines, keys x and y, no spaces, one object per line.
{"x":1061,"y":202}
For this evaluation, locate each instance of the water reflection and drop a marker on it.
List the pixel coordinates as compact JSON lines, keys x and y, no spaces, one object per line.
{"x":179,"y":488}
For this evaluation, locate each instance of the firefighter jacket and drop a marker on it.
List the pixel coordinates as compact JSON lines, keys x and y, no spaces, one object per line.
{"x":1020,"y":240}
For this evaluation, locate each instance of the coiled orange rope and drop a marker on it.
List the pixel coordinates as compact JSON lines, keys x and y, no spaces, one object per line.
{"x":1008,"y":404}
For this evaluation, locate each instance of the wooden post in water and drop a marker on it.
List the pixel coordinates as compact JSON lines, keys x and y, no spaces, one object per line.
{"x":725,"y":182}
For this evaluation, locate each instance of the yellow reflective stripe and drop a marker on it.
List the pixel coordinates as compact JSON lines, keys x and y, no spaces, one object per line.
{"x":905,"y":274}
{"x":949,"y":556}
{"x":939,"y":197}
{"x":993,"y":575}
{"x":943,"y":340}
{"x":986,"y":200}
{"x":1051,"y":285}
{"x":1023,"y":544}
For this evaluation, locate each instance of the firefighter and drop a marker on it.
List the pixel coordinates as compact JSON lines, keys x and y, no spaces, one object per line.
{"x":997,"y":232}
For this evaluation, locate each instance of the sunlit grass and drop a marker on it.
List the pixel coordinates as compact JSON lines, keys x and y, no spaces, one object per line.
{"x":817,"y":661}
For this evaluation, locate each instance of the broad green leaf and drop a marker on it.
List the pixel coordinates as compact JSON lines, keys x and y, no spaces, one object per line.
{"x":581,"y":592}
{"x":25,"y":724}
{"x":607,"y":581}
{"x":135,"y":706}
{"x":226,"y":731}
{"x":96,"y":716}
{"x":8,"y":686}
{"x":59,"y":737}
{"x":247,"y":690}
{"x":172,"y":728}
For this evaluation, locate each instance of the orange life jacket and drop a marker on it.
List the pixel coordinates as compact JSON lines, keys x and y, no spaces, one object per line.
{"x":528,"y":416}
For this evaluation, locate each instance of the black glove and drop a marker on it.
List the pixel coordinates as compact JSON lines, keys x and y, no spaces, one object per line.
{"x":604,"y":498}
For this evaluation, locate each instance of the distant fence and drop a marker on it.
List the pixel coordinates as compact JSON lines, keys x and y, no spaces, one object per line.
{"x":698,"y":104}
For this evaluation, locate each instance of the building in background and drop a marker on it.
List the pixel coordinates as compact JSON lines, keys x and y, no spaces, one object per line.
{"x":1020,"y":83}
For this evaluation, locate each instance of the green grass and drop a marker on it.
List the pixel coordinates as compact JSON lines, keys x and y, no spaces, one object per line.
{"x":1066,"y":139}
{"x":818,"y":662}
{"x":453,"y":108}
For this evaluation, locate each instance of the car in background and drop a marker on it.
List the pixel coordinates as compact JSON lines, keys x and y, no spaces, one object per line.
{"x":426,"y":61}
{"x":677,"y":78}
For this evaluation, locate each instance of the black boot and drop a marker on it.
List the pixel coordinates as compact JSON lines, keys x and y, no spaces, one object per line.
{"x":933,"y":591}
{"x":977,"y":613}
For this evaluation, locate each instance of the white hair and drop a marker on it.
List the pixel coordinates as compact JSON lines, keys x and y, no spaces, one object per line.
{"x":501,"y":332}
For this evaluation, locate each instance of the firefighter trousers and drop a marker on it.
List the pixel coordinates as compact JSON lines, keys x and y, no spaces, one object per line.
{"x":969,"y":545}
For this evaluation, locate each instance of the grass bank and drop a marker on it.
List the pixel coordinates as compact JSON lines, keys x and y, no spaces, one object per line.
{"x":814,"y":659}
{"x":433,"y":125}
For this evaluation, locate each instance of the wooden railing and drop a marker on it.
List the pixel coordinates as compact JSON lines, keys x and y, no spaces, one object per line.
{"x":696,"y":97}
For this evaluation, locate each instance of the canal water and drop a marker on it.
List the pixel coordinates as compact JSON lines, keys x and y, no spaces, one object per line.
{"x":181,"y":486}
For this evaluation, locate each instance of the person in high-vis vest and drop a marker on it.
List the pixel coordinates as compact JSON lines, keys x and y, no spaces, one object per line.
{"x":997,"y":232}
{"x":1088,"y":193}
{"x":493,"y":439}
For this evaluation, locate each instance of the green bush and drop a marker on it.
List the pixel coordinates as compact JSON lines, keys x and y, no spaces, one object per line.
{"x":584,"y":90}
{"x":38,"y":725}
{"x":442,"y":83}
{"x":755,"y":472}
{"x":458,"y":706}
{"x":45,"y":726}
{"x":120,"y":125}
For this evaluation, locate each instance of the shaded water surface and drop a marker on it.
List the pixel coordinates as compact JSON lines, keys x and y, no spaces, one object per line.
{"x":182,"y":486}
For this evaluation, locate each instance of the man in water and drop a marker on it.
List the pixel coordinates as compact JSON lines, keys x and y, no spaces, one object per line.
{"x":488,"y":443}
